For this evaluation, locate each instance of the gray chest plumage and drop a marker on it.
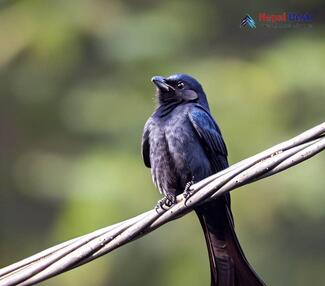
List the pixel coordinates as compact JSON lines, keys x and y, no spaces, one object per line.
{"x":176,"y":153}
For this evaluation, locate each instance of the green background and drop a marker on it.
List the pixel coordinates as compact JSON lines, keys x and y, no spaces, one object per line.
{"x":75,"y":93}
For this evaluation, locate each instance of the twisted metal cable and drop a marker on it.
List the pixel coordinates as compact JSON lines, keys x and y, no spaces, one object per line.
{"x":80,"y":250}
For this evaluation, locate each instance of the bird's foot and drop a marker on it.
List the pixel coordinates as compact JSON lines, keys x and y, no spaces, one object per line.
{"x":165,"y":203}
{"x":187,"y":191}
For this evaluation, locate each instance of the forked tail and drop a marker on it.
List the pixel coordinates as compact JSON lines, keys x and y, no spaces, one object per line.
{"x":228,"y":263}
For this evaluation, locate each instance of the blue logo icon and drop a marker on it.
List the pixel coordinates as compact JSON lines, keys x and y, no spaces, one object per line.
{"x":248,"y":21}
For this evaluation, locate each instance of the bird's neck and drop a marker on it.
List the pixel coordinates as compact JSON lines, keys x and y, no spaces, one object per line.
{"x":203,"y":101}
{"x":167,"y":106}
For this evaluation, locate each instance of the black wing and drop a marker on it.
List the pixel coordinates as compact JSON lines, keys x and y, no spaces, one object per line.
{"x":210,"y":135}
{"x":145,"y":145}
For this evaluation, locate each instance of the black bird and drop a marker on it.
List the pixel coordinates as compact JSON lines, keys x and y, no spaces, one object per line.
{"x":183,"y":144}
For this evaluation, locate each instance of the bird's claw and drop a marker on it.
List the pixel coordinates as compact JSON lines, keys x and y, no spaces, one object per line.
{"x":167,"y":201}
{"x":187,"y":191}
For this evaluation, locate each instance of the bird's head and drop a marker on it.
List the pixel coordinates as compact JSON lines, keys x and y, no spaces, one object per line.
{"x":179,"y":88}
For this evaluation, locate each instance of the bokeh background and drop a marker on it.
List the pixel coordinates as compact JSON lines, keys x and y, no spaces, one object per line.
{"x":75,"y":93}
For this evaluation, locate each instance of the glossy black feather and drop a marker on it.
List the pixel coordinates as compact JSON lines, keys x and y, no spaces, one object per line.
{"x":210,"y":137}
{"x":145,"y":145}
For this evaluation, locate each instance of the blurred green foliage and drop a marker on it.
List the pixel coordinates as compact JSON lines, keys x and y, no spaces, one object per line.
{"x":75,"y":94}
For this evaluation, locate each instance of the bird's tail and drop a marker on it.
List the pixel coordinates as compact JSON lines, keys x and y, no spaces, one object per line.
{"x":228,"y":263}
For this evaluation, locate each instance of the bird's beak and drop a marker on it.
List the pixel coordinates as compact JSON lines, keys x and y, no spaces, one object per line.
{"x":160,"y":83}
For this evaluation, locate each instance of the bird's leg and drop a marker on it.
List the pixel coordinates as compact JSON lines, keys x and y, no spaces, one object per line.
{"x":187,"y":191}
{"x":167,"y":201}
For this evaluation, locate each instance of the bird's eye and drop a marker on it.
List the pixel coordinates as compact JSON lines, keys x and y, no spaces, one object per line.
{"x":180,"y":85}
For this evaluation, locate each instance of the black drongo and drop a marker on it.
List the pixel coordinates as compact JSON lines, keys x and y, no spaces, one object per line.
{"x":183,"y":144}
